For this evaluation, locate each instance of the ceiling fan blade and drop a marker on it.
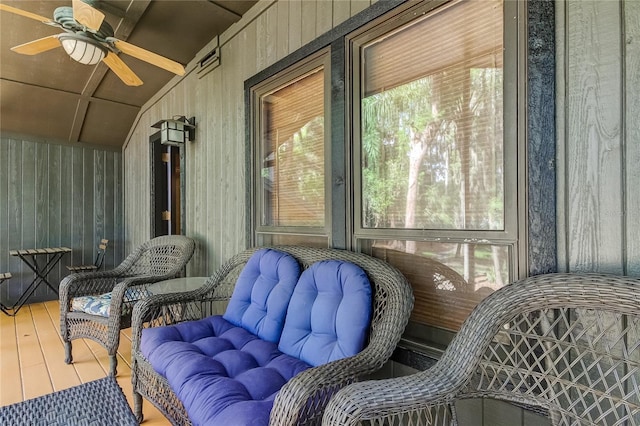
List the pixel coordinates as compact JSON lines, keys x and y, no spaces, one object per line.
{"x":150,"y":57}
{"x":87,"y":15}
{"x":121,"y":69}
{"x":38,"y":46}
{"x":24,"y":13}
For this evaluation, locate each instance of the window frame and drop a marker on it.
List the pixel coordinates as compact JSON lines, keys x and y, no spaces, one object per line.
{"x":320,"y":59}
{"x":514,"y":235}
{"x":430,"y":338}
{"x":514,"y":91}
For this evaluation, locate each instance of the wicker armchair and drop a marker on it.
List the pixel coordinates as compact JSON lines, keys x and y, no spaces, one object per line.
{"x":303,"y":398}
{"x":159,"y":259}
{"x":564,"y":345}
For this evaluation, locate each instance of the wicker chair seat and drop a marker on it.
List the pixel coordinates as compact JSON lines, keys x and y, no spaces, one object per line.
{"x":101,"y":304}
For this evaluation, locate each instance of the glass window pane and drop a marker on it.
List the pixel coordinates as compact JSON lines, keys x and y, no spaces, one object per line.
{"x":292,"y":153}
{"x":448,"y":279}
{"x":432,"y":122}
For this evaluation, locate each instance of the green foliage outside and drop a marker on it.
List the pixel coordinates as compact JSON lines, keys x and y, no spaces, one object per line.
{"x":432,"y":153}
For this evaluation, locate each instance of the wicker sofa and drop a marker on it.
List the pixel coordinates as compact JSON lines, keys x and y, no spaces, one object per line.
{"x":302,"y":398}
{"x":564,"y":345}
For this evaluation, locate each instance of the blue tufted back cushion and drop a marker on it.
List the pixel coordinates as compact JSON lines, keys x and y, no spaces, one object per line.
{"x":262,"y":293}
{"x":329,"y":314}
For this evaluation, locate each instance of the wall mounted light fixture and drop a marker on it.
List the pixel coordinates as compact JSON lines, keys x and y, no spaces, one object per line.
{"x":176,"y":131}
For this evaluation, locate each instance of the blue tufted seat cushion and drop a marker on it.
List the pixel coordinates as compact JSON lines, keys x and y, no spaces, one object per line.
{"x":329,"y":313}
{"x":223,"y":374}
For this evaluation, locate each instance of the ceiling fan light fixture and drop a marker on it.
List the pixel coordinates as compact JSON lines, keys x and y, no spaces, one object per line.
{"x":83,"y":49}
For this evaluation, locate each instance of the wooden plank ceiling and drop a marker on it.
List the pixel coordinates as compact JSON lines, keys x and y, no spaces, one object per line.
{"x":51,"y":96}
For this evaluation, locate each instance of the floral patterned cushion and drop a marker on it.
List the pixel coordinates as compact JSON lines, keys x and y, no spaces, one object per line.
{"x":101,"y":305}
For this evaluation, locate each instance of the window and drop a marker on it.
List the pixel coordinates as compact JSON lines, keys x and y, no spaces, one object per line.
{"x":290,"y":161}
{"x":431,"y":160}
{"x":435,"y":169}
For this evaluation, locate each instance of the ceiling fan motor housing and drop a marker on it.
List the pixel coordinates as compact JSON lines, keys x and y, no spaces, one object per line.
{"x":64,"y":16}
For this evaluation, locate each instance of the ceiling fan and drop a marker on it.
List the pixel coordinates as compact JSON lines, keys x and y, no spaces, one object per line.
{"x":89,"y":39}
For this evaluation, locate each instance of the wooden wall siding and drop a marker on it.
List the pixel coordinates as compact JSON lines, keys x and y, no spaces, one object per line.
{"x":598,"y":136}
{"x":55,"y":195}
{"x":215,"y":161}
{"x":598,"y":144}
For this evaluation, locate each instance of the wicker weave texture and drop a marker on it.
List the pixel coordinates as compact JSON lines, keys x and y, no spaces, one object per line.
{"x":158,"y":259}
{"x":566,"y":345}
{"x":97,"y":403}
{"x":302,"y":399}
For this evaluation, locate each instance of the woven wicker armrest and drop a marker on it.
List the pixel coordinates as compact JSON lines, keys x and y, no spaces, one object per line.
{"x":93,"y":284}
{"x":426,"y":396}
{"x":419,"y":394}
{"x":85,"y":284}
{"x":299,"y":400}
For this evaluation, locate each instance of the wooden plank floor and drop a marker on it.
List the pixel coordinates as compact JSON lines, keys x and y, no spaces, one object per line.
{"x":32,"y":359}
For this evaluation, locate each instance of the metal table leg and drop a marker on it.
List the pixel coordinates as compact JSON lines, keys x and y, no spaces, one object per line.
{"x":29,"y":257}
{"x":5,"y":309}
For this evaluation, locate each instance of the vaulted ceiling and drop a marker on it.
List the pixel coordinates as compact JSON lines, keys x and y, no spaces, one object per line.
{"x":51,"y":96}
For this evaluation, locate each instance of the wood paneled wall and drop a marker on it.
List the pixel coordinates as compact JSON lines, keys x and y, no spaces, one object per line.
{"x":598,"y":103}
{"x":215,"y":161}
{"x":54,"y":195}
